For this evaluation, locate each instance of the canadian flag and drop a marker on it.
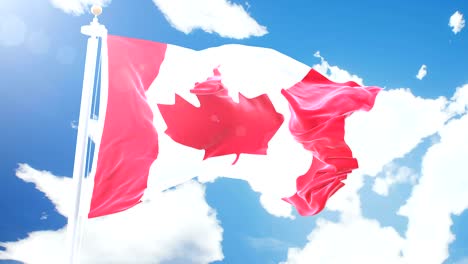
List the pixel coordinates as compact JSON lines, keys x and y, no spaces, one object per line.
{"x":236,"y":111}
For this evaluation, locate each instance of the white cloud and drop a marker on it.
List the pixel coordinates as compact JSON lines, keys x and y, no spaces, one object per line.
{"x":44,"y":216}
{"x":352,"y":240}
{"x":347,"y":201}
{"x":422,"y":72}
{"x":220,"y":16}
{"x":77,"y":7}
{"x":334,"y":72}
{"x":74,"y":124}
{"x":397,"y":124}
{"x":177,"y":225}
{"x":438,"y":194}
{"x":457,"y":22}
{"x":56,"y":188}
{"x":223,"y":17}
{"x":459,"y":104}
{"x":441,"y":192}
{"x":272,"y":203}
{"x":392,"y":174}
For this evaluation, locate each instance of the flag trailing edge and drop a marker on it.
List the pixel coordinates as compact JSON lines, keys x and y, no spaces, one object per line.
{"x":161,"y":103}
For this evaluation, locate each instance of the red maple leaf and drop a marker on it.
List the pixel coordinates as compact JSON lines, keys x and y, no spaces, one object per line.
{"x":221,"y":126}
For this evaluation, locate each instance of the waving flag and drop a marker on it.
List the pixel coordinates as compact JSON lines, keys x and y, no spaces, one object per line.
{"x":229,"y":100}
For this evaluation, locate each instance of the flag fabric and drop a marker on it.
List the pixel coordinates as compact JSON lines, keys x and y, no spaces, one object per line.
{"x":232,"y":101}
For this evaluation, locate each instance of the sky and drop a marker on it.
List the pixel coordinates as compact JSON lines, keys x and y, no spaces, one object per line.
{"x":405,"y":204}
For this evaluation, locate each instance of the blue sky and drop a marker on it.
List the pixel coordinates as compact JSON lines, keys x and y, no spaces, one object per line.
{"x":406,"y":203}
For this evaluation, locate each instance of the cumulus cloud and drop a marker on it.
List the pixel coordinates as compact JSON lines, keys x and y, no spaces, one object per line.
{"x":74,"y":124}
{"x":422,"y":72}
{"x":393,"y":174}
{"x":44,"y":216}
{"x":56,"y":188}
{"x":334,"y":72}
{"x":398,"y":122}
{"x":352,"y":240}
{"x":439,"y":194}
{"x":223,"y":17}
{"x":219,"y":16}
{"x":459,"y":103}
{"x":77,"y":7}
{"x":457,"y":22}
{"x":175,"y":226}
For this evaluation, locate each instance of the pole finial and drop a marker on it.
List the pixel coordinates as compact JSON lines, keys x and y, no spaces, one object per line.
{"x":96,"y":10}
{"x":94,"y":29}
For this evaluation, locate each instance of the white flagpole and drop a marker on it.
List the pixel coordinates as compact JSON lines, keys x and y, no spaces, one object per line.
{"x":79,"y":210}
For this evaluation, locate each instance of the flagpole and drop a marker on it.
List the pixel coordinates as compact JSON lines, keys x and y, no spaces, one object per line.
{"x":80,"y":207}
